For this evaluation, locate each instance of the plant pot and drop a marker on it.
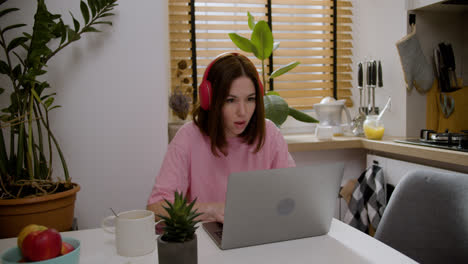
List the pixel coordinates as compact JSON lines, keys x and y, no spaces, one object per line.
{"x":177,"y":253}
{"x":54,"y":211}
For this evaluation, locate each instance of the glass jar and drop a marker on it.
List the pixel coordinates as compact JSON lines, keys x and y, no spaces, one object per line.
{"x":373,"y":128}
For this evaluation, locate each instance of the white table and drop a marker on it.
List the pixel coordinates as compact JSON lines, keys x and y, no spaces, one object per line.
{"x":343,"y":244}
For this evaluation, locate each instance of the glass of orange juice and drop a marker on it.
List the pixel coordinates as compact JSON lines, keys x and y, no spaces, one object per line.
{"x":373,"y":127}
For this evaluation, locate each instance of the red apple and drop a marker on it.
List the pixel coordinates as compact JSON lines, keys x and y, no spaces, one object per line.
{"x":66,"y":248}
{"x":42,"y":245}
{"x":25,"y":231}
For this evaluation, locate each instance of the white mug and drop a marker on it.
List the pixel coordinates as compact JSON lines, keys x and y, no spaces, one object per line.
{"x":134,"y":232}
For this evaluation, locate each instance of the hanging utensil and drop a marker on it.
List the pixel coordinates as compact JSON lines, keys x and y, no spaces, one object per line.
{"x":357,"y":124}
{"x":380,"y":82}
{"x":374,"y":84}
{"x":368,"y":86}
{"x":360,"y":85}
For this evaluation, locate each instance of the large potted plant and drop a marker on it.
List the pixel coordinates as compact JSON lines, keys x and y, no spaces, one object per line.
{"x":29,"y":191}
{"x":178,"y":243}
{"x":261,"y":44}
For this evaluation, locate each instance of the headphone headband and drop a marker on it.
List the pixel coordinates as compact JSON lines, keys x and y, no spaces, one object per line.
{"x":206,"y":90}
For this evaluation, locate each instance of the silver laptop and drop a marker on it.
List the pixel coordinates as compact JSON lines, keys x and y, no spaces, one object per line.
{"x":275,"y":205}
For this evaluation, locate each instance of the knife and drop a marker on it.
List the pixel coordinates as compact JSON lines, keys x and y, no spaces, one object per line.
{"x":360,"y":84}
{"x":368,"y":86}
{"x":373,"y":84}
{"x":380,"y":83}
{"x":374,"y":73}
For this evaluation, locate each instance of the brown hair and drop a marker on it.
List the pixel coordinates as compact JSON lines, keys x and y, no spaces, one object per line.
{"x":222,"y":73}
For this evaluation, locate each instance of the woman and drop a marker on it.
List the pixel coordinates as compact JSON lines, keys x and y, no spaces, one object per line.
{"x":229,"y":134}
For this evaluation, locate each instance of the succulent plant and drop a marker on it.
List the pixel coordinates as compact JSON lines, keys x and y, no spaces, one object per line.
{"x":180,"y":222}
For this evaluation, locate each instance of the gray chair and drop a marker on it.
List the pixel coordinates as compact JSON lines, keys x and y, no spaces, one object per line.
{"x":427,"y":217}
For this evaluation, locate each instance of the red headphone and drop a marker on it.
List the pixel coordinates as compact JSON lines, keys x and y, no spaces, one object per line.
{"x":205,"y":89}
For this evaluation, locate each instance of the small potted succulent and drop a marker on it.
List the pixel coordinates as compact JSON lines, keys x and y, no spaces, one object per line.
{"x":178,"y":242}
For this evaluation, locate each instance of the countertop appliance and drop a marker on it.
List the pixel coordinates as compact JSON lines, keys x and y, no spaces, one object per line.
{"x":457,"y":141}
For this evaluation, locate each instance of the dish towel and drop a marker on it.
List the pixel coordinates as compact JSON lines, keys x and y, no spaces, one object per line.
{"x":368,"y":200}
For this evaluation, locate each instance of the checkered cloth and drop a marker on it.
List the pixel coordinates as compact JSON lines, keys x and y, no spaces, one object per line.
{"x":368,"y":201}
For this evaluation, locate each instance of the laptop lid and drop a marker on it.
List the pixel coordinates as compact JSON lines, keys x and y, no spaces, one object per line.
{"x":282,"y":204}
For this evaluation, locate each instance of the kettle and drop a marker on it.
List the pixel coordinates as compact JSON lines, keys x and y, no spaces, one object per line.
{"x":329,"y":114}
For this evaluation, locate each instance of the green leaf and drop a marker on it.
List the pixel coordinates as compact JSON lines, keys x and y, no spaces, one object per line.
{"x":2,"y":90}
{"x":273,"y":93}
{"x":91,"y":4}
{"x":90,"y":29}
{"x":84,"y":11}
{"x":12,"y":27}
{"x":16,"y":42}
{"x":276,"y":46}
{"x":276,"y":109}
{"x":251,"y":21}
{"x":262,"y":38}
{"x":55,"y":106}
{"x":103,"y":22}
{"x":76,"y":24}
{"x":72,"y":35}
{"x":242,"y":43}
{"x":106,"y":15}
{"x":49,"y":102}
{"x":27,"y":35}
{"x":284,"y":69}
{"x":4,"y":68}
{"x":8,"y":10}
{"x":301,"y":116}
{"x":17,"y":71}
{"x":63,"y":31}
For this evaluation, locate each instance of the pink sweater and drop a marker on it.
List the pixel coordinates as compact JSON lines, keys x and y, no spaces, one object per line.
{"x":191,"y":167}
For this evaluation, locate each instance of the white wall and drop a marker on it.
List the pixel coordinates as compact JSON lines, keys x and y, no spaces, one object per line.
{"x":113,"y":89}
{"x":377,"y":26}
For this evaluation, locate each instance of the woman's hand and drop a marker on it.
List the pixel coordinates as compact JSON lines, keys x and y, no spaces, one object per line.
{"x":212,"y":212}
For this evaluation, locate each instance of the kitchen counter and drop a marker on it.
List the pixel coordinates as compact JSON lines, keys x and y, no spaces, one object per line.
{"x":308,"y":142}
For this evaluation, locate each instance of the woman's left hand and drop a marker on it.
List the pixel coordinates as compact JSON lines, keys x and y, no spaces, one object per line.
{"x":212,"y":212}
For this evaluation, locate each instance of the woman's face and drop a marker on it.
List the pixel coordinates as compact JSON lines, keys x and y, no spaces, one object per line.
{"x":239,"y":106}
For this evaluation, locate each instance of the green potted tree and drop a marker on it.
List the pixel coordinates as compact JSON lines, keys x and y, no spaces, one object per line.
{"x":29,"y":191}
{"x":261,"y":44}
{"x":178,"y":243}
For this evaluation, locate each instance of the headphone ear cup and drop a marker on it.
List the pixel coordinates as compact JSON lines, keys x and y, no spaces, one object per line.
{"x":205,"y":94}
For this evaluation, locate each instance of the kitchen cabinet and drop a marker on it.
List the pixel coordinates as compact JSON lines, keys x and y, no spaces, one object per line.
{"x":437,"y":21}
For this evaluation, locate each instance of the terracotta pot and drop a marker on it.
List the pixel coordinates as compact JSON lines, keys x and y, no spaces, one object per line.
{"x":177,"y":253}
{"x":55,"y":211}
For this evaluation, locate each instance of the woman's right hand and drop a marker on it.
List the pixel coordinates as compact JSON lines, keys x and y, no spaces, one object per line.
{"x":212,"y":212}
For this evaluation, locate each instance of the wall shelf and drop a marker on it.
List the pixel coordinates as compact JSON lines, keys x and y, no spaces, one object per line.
{"x":456,"y":6}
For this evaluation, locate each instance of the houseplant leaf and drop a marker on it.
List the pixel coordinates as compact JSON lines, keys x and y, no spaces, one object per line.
{"x":262,"y":39}
{"x":284,"y":69}
{"x":251,"y":21}
{"x":8,"y":10}
{"x":276,"y":46}
{"x":276,"y":109}
{"x":84,"y":11}
{"x":301,"y":116}
{"x":242,"y":43}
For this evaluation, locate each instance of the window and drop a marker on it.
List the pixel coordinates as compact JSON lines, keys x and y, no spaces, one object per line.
{"x":306,"y":32}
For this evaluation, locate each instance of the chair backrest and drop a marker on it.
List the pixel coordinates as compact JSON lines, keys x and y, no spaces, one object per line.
{"x":427,"y":217}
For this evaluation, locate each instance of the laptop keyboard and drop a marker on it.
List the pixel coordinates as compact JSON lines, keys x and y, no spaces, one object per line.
{"x":219,"y":234}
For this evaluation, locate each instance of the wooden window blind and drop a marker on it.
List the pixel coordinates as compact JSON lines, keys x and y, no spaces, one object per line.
{"x":304,"y":28}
